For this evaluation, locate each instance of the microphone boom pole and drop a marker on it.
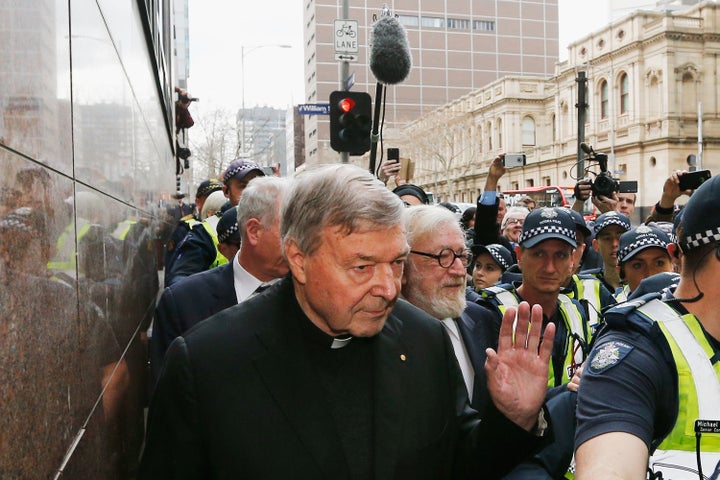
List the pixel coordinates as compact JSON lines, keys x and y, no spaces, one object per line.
{"x":375,"y":126}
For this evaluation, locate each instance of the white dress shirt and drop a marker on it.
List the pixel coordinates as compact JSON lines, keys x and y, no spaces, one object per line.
{"x":468,"y":372}
{"x":245,"y":283}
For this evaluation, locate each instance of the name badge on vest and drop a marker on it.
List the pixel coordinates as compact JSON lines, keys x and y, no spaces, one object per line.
{"x":707,"y":426}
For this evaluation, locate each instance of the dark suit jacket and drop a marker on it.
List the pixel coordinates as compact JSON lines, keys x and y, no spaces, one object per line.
{"x":478,"y":334}
{"x":185,"y":304}
{"x":239,"y":399}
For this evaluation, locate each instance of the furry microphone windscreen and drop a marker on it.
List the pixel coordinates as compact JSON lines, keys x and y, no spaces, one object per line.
{"x":390,"y":59}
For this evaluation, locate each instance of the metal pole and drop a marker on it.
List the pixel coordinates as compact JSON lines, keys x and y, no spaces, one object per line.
{"x":242,"y":79}
{"x":700,"y":137}
{"x":345,"y":72}
{"x":581,"y":106}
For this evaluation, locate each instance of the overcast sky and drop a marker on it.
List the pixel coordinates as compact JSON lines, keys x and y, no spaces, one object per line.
{"x":274,"y":76}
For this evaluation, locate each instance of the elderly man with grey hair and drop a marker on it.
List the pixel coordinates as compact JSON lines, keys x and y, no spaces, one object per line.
{"x":434,"y":280}
{"x":258,"y":262}
{"x":327,"y":375}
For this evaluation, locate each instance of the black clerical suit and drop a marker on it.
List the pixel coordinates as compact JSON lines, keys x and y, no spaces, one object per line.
{"x":240,"y":399}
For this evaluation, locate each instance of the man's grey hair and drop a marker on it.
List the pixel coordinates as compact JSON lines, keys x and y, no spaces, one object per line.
{"x":512,"y":212}
{"x":423,"y":220}
{"x":259,"y":200}
{"x":341,"y":195}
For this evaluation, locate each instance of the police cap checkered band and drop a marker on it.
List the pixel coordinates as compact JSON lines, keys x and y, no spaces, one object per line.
{"x":239,"y":168}
{"x":226,"y":234}
{"x":639,"y":239}
{"x":545,"y":224}
{"x":227,"y":226}
{"x":499,"y":254}
{"x":207,"y":187}
{"x":611,"y":218}
{"x":700,"y":222}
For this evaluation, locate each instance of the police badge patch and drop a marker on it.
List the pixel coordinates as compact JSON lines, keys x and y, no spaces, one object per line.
{"x":608,"y":355}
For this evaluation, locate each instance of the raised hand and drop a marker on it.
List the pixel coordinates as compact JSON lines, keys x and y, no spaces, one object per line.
{"x":517,"y":373}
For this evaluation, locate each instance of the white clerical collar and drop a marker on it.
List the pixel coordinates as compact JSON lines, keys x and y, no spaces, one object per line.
{"x":340,"y":342}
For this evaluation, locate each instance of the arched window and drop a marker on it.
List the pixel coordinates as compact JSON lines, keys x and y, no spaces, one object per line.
{"x":624,"y":94}
{"x":554,"y":128}
{"x":604,"y":99}
{"x":528,"y":131}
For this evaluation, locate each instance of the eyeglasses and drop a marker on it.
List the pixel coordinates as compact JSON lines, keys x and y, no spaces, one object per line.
{"x":447,"y":257}
{"x":513,"y":221}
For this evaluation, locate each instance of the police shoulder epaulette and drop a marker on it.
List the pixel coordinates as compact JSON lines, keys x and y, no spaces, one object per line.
{"x":622,"y":314}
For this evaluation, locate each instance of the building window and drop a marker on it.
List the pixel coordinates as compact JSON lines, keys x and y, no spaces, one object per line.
{"x":528,"y":131}
{"x":432,"y":22}
{"x":488,"y":130}
{"x":604,"y":95}
{"x":624,"y":94}
{"x":530,"y":182}
{"x":458,"y":24}
{"x":499,"y":133}
{"x":554,"y":128}
{"x":483,"y":25}
{"x":409,"y":20}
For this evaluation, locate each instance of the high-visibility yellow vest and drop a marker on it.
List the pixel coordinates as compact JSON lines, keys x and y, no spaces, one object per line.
{"x":575,"y":325}
{"x":698,"y":397}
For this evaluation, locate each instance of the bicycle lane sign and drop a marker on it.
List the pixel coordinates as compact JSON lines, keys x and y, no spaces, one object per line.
{"x":346,"y":36}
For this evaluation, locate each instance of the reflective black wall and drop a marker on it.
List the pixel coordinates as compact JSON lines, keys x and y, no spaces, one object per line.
{"x":87,"y":171}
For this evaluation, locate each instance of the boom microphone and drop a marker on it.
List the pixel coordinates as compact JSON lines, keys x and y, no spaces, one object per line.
{"x":390,"y":59}
{"x":586,"y":148}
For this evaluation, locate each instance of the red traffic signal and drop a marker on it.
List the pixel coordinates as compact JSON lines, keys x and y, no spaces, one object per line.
{"x":350,"y":122}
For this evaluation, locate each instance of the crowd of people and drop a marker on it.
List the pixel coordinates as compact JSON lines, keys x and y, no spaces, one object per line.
{"x":362,"y":332}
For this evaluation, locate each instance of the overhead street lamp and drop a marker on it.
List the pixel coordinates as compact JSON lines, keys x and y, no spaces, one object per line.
{"x":247,"y":51}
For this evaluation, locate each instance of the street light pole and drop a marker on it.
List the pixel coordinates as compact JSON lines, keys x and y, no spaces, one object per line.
{"x":243,"y":148}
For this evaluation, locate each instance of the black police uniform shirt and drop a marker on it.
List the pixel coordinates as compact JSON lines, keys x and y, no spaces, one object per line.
{"x":629,"y":384}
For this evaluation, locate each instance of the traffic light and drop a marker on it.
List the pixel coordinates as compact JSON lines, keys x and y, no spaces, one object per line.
{"x":350,"y":122}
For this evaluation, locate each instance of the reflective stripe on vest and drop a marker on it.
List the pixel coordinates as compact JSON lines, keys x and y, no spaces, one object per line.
{"x":219,"y":257}
{"x":123,"y":228}
{"x":589,"y":290}
{"x":576,"y":328}
{"x":505,"y":298}
{"x":65,"y":259}
{"x":698,"y":395}
{"x":622,"y":294}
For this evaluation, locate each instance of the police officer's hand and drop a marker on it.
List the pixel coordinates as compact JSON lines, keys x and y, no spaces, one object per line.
{"x":517,"y":373}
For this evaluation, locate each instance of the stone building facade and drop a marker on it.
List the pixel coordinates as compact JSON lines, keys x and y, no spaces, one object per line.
{"x":649,"y":74}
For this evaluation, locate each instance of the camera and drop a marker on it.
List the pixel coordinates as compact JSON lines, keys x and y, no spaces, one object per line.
{"x":604,"y":184}
{"x":514,"y":160}
{"x":187,"y":99}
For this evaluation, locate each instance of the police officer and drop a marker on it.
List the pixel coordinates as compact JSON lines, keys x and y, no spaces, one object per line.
{"x":182,"y":228}
{"x":545,"y":257}
{"x":198,"y":250}
{"x":650,"y":396}
{"x":642,"y":253}
{"x":608,"y":229}
{"x":545,"y":250}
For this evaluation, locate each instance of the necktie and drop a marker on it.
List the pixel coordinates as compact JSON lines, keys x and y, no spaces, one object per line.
{"x":261,"y":288}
